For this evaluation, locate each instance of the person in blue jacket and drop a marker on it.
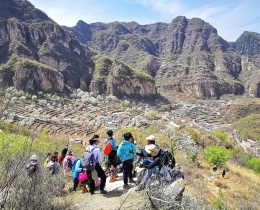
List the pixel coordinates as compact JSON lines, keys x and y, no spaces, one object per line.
{"x":127,"y":151}
{"x":75,"y":175}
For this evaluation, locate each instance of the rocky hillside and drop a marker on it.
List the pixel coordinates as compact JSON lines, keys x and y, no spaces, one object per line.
{"x":50,"y":58}
{"x":186,"y":55}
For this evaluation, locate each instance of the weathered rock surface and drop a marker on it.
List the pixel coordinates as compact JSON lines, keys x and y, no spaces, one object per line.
{"x":186,"y":55}
{"x":119,"y":79}
{"x":29,"y":33}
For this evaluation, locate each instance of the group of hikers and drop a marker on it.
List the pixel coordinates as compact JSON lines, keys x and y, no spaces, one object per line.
{"x":88,"y":171}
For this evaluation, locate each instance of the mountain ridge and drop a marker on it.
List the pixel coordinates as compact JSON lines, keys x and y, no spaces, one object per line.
{"x":29,"y":33}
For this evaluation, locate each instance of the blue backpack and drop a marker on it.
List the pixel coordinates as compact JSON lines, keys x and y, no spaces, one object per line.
{"x":74,"y":164}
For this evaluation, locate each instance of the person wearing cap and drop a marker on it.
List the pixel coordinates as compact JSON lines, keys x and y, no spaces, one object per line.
{"x":69,"y":156}
{"x":153,"y":165}
{"x":127,"y":151}
{"x":94,"y":141}
{"x":150,"y":141}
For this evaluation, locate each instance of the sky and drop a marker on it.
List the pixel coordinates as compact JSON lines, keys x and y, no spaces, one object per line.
{"x":230,"y":17}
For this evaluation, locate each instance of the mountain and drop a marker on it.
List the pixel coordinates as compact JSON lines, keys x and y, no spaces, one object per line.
{"x":186,"y":55}
{"x":39,"y":55}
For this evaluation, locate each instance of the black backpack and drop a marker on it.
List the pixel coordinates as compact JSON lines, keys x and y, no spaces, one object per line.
{"x":69,"y":165}
{"x":88,"y":160}
{"x":168,"y":159}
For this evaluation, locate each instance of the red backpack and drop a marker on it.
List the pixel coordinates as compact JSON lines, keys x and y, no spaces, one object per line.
{"x":108,"y":148}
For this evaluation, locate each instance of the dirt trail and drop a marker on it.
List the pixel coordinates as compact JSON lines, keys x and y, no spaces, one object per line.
{"x":110,"y":201}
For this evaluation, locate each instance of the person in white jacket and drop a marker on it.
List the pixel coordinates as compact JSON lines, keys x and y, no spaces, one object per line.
{"x":53,"y":166}
{"x":93,"y":147}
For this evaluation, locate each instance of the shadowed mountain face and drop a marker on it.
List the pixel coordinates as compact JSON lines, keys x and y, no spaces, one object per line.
{"x":39,"y":55}
{"x":186,"y":55}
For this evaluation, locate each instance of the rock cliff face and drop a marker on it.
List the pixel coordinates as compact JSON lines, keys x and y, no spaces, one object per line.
{"x":186,"y":55}
{"x":119,"y":79}
{"x":29,"y":33}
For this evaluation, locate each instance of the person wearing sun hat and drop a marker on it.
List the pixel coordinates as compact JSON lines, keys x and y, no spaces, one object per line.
{"x":143,"y":154}
{"x":94,"y":141}
{"x":153,"y":166}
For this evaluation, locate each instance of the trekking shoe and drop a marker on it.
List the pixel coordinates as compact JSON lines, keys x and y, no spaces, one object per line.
{"x":103,"y":192}
{"x":132,"y":181}
{"x":139,"y":187}
{"x":84,"y":189}
{"x":113,"y":178}
{"x":71,"y":190}
{"x":126,"y":186}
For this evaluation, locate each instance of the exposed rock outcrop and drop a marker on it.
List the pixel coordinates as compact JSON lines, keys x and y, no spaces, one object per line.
{"x":54,"y":56}
{"x":119,"y":79}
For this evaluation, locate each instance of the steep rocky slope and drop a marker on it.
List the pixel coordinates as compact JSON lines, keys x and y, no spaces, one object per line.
{"x":29,"y":33}
{"x":186,"y":55}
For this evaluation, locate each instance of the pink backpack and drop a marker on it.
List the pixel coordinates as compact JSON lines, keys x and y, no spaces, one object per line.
{"x":83,"y":176}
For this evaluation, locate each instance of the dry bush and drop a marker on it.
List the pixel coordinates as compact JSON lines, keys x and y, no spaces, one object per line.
{"x":244,"y":172}
{"x":221,"y":184}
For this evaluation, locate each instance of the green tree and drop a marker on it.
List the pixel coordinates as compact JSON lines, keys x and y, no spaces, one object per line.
{"x":216,"y":155}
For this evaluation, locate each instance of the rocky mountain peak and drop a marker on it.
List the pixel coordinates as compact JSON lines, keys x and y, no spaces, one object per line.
{"x":22,"y":10}
{"x":248,"y":44}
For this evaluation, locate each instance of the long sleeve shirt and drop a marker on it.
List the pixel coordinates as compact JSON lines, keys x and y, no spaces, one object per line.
{"x":97,"y":152}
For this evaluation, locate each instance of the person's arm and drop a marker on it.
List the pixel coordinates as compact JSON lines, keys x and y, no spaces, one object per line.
{"x":154,"y":163}
{"x":78,"y":167}
{"x":64,"y":165}
{"x":119,"y":151}
{"x":99,"y":156}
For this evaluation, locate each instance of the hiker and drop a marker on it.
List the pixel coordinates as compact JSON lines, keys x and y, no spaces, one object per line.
{"x":127,"y":151}
{"x":33,"y":167}
{"x":56,"y":154}
{"x":76,"y":169}
{"x":68,"y":162}
{"x":214,"y":168}
{"x":111,"y":150}
{"x":48,"y":159}
{"x":93,"y":148}
{"x":154,"y":166}
{"x":63,"y":155}
{"x":143,"y":154}
{"x":53,"y":167}
{"x":223,"y":173}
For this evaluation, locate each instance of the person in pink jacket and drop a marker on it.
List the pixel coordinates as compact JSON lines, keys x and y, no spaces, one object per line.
{"x":68,"y":162}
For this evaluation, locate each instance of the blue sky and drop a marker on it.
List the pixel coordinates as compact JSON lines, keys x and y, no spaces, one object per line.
{"x":230,"y":17}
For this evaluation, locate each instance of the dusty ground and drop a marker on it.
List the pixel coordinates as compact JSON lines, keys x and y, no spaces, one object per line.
{"x":116,"y":196}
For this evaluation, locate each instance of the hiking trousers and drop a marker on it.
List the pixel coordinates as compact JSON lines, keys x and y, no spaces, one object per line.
{"x":112,"y":160}
{"x":75,"y":184}
{"x":101,"y":174}
{"x":127,"y":170}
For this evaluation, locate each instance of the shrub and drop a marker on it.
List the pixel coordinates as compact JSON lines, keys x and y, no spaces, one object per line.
{"x":27,"y":96}
{"x":152,"y":115}
{"x":219,"y":202}
{"x":254,"y":164}
{"x":194,"y":135}
{"x":216,"y":155}
{"x":219,"y":134}
{"x":125,"y":104}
